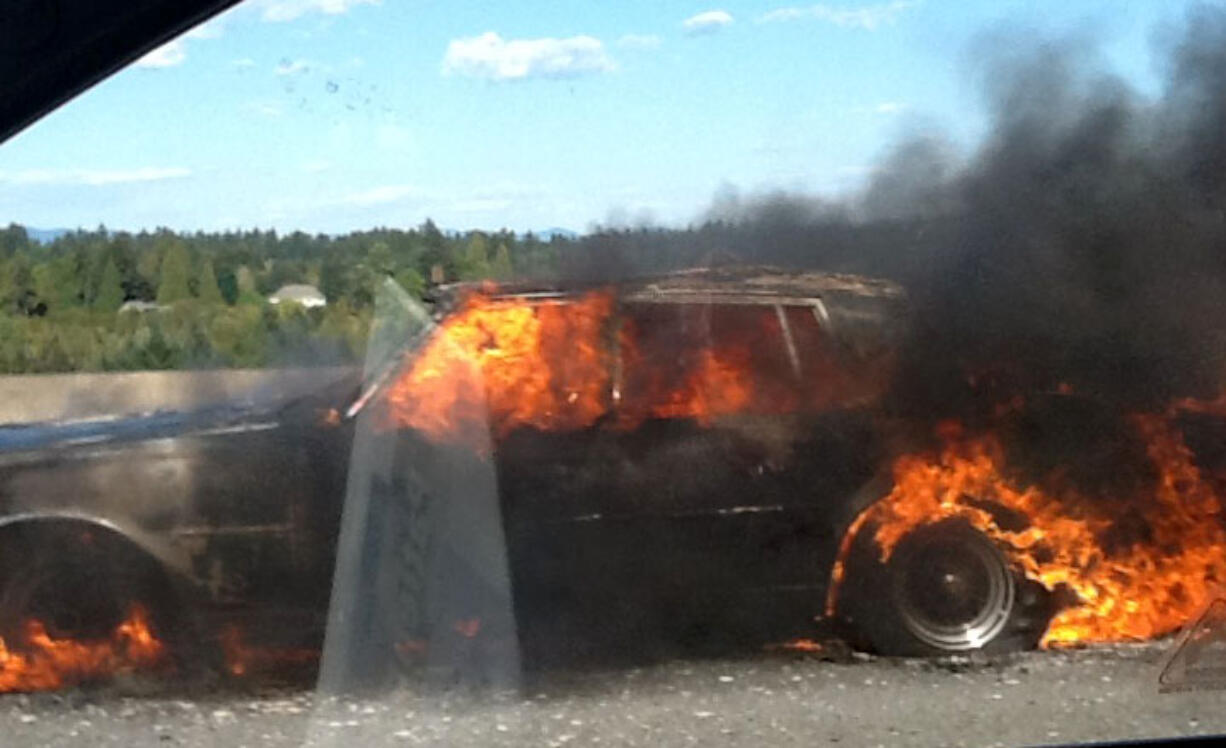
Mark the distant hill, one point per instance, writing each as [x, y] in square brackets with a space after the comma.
[46, 236]
[547, 234]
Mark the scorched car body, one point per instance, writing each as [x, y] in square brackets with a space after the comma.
[710, 530]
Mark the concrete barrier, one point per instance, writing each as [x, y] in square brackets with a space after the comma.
[47, 397]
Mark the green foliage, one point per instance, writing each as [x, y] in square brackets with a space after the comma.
[379, 259]
[335, 277]
[110, 289]
[245, 283]
[149, 267]
[207, 289]
[411, 281]
[59, 302]
[172, 284]
[347, 326]
[60, 282]
[500, 268]
[238, 336]
[474, 263]
[17, 294]
[12, 239]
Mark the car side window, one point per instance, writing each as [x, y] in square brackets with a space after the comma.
[705, 361]
[833, 370]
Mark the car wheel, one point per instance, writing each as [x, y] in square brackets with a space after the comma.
[946, 589]
[72, 597]
[82, 584]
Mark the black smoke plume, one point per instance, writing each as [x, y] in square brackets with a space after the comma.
[1082, 243]
[1086, 237]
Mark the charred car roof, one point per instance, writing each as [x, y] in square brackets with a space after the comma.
[862, 306]
[730, 284]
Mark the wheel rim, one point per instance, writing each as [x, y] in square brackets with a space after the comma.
[952, 587]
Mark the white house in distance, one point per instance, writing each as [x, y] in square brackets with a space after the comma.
[136, 305]
[299, 293]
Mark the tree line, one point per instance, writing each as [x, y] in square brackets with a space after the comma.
[203, 297]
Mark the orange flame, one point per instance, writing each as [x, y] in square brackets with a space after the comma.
[484, 370]
[242, 659]
[1146, 589]
[799, 644]
[42, 663]
[564, 364]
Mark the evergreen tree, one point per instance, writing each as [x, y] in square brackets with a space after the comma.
[433, 238]
[500, 268]
[227, 283]
[173, 285]
[13, 239]
[380, 259]
[148, 268]
[411, 281]
[247, 293]
[434, 243]
[17, 295]
[207, 289]
[60, 282]
[110, 289]
[474, 264]
[335, 277]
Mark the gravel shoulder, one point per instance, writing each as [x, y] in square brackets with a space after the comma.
[774, 699]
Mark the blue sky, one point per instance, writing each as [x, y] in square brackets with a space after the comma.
[331, 115]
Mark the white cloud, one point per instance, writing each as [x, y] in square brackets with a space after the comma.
[209, 30]
[166, 56]
[882, 108]
[290, 67]
[93, 177]
[639, 41]
[707, 22]
[278, 11]
[388, 193]
[890, 107]
[494, 58]
[174, 52]
[867, 17]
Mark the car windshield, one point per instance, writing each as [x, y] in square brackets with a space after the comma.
[390, 373]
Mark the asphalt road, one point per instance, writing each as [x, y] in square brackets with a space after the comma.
[774, 699]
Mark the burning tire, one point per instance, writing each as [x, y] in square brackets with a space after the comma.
[946, 589]
[81, 584]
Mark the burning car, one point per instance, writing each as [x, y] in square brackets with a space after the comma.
[719, 454]
[686, 460]
[705, 457]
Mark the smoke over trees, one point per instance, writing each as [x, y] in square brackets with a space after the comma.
[1082, 242]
